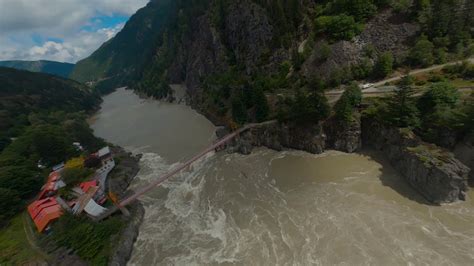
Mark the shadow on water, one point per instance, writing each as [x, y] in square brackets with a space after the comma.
[391, 178]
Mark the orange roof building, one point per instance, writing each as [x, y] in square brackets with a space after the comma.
[85, 186]
[43, 212]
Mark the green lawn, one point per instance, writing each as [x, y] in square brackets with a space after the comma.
[17, 243]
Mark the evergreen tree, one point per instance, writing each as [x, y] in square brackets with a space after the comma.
[239, 112]
[261, 106]
[384, 65]
[422, 53]
[402, 108]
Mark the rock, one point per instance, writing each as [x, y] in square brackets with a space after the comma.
[386, 32]
[123, 250]
[433, 171]
[464, 151]
[277, 136]
[342, 136]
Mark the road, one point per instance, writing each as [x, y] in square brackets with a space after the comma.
[380, 88]
[419, 71]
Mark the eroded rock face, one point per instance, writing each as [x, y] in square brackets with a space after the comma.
[464, 151]
[313, 138]
[386, 32]
[434, 172]
[278, 136]
[342, 136]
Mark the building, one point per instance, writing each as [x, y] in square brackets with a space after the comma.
[52, 185]
[104, 154]
[43, 212]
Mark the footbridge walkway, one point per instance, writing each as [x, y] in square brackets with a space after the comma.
[141, 191]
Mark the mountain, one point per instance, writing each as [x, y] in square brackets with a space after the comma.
[41, 116]
[122, 58]
[23, 93]
[43, 66]
[236, 55]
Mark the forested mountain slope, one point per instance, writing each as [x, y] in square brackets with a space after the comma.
[40, 118]
[231, 53]
[122, 58]
[43, 66]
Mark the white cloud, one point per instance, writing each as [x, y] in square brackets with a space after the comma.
[79, 46]
[57, 19]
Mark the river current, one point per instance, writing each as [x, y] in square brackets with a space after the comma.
[274, 208]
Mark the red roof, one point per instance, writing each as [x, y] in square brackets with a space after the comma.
[36, 207]
[46, 216]
[44, 211]
[85, 186]
[47, 188]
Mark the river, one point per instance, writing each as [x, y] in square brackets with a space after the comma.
[274, 208]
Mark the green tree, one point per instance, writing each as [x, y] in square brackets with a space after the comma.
[402, 110]
[309, 108]
[384, 65]
[10, 204]
[74, 176]
[20, 178]
[439, 94]
[351, 98]
[422, 53]
[340, 27]
[239, 112]
[343, 110]
[261, 106]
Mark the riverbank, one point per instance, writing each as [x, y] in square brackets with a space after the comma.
[119, 181]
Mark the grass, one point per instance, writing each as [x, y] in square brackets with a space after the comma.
[17, 245]
[462, 83]
[430, 154]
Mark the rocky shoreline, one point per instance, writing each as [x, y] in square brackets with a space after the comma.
[431, 170]
[120, 179]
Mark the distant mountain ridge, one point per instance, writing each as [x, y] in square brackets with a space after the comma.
[43, 66]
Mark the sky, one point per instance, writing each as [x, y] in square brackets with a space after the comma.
[60, 30]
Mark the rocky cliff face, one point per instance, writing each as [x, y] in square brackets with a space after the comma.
[278, 136]
[344, 136]
[386, 32]
[312, 138]
[464, 151]
[434, 172]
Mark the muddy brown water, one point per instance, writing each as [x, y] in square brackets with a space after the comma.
[275, 208]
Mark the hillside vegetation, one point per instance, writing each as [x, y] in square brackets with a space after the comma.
[40, 117]
[246, 60]
[43, 66]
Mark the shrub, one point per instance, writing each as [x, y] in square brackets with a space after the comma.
[384, 65]
[340, 27]
[73, 176]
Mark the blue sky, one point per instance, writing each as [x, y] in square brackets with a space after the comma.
[60, 30]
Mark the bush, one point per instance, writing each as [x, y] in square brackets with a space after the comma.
[439, 94]
[402, 110]
[239, 112]
[344, 107]
[384, 65]
[309, 108]
[90, 241]
[73, 176]
[10, 204]
[340, 27]
[422, 53]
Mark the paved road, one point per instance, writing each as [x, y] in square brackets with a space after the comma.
[419, 71]
[380, 88]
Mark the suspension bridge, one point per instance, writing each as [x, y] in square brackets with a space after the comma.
[120, 205]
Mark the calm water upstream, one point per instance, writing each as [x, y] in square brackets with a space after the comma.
[275, 208]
